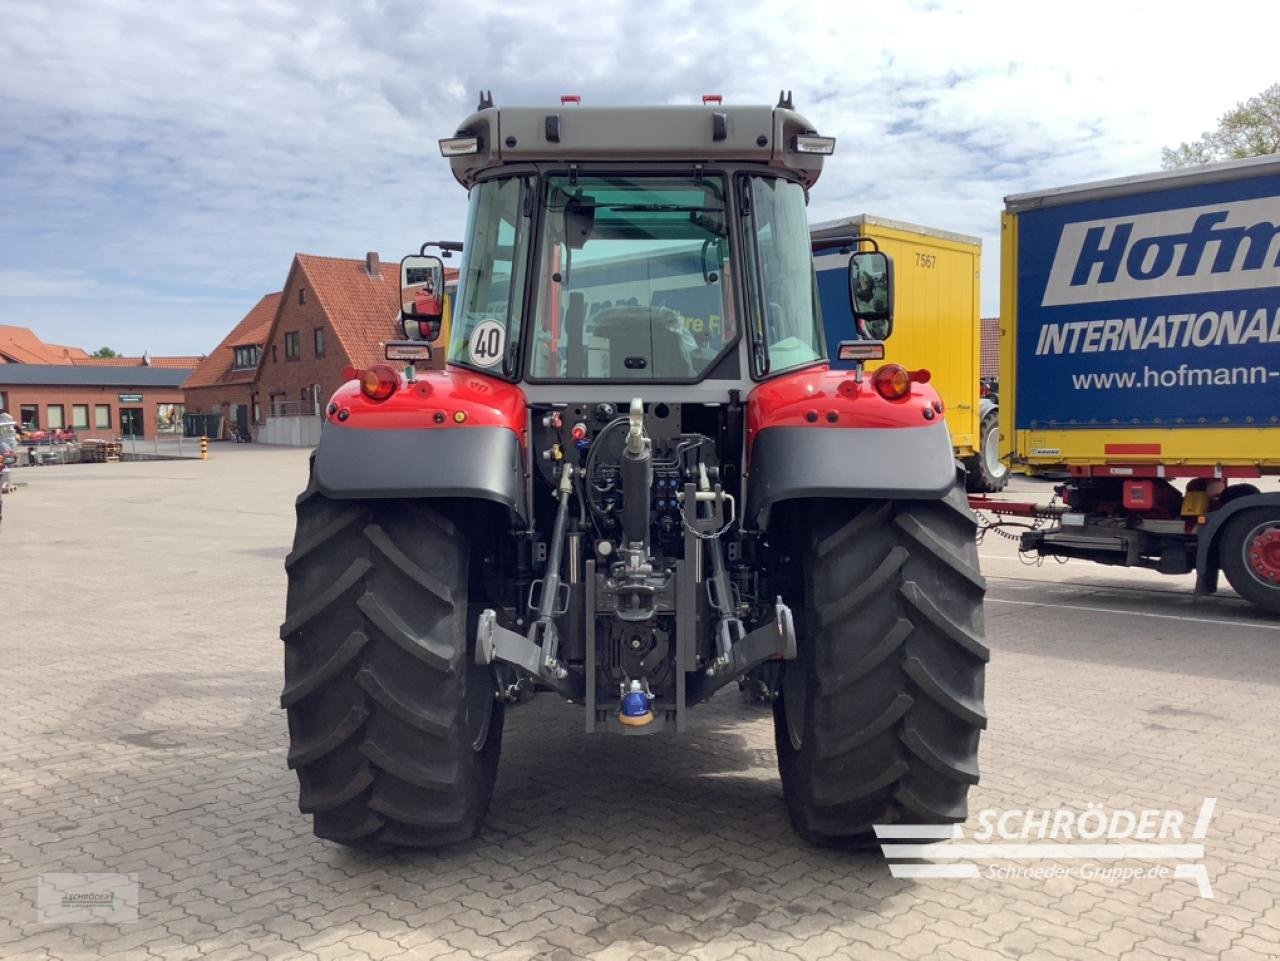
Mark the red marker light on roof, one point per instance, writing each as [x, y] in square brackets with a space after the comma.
[379, 382]
[570, 98]
[712, 98]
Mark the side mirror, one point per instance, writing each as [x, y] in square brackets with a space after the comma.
[421, 296]
[871, 293]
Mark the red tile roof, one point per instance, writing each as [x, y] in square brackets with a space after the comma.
[361, 309]
[254, 328]
[19, 345]
[187, 362]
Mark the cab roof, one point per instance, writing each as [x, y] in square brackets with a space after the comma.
[709, 133]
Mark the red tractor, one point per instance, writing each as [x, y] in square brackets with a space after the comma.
[636, 481]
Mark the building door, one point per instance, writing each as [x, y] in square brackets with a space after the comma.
[242, 421]
[131, 422]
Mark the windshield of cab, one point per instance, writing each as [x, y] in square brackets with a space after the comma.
[634, 279]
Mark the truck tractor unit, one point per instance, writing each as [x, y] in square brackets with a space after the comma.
[937, 277]
[636, 481]
[1140, 357]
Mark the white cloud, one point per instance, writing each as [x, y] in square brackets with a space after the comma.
[186, 151]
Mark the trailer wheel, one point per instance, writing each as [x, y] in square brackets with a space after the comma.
[880, 714]
[987, 472]
[1249, 552]
[393, 728]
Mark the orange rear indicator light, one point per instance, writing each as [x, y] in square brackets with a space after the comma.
[379, 382]
[892, 381]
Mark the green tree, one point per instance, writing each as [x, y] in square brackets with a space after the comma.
[104, 352]
[1249, 129]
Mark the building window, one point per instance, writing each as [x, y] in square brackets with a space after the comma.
[246, 357]
[29, 417]
[257, 410]
[315, 399]
[302, 295]
[274, 358]
[80, 416]
[57, 417]
[102, 416]
[292, 345]
[169, 418]
[318, 339]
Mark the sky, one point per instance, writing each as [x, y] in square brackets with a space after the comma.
[160, 163]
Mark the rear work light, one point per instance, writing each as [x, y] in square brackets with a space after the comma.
[459, 146]
[892, 382]
[809, 143]
[860, 350]
[411, 350]
[378, 382]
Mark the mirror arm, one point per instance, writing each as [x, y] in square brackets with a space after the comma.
[447, 248]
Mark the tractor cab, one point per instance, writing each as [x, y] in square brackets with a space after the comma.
[636, 245]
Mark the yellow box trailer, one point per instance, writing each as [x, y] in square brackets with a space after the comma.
[937, 323]
[1140, 345]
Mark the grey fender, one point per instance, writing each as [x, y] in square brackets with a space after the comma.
[1207, 538]
[790, 463]
[479, 462]
[985, 406]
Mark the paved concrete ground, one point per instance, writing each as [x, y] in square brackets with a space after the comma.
[141, 733]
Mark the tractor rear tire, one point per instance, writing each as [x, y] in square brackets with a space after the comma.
[987, 474]
[1249, 551]
[393, 728]
[879, 715]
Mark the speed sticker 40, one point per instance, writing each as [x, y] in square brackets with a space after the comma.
[486, 343]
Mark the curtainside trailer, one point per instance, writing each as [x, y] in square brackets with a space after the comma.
[938, 327]
[1140, 357]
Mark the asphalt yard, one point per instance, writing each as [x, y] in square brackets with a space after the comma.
[143, 737]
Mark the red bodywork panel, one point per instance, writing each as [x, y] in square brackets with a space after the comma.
[432, 401]
[792, 400]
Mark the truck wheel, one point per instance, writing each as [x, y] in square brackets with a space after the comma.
[393, 728]
[1249, 552]
[880, 713]
[987, 472]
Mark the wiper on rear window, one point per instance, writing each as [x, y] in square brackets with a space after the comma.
[677, 208]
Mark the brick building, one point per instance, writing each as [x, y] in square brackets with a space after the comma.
[334, 312]
[49, 386]
[274, 373]
[226, 381]
[94, 400]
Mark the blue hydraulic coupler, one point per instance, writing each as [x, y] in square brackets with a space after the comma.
[635, 707]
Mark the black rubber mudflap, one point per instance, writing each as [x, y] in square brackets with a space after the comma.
[889, 677]
[393, 731]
